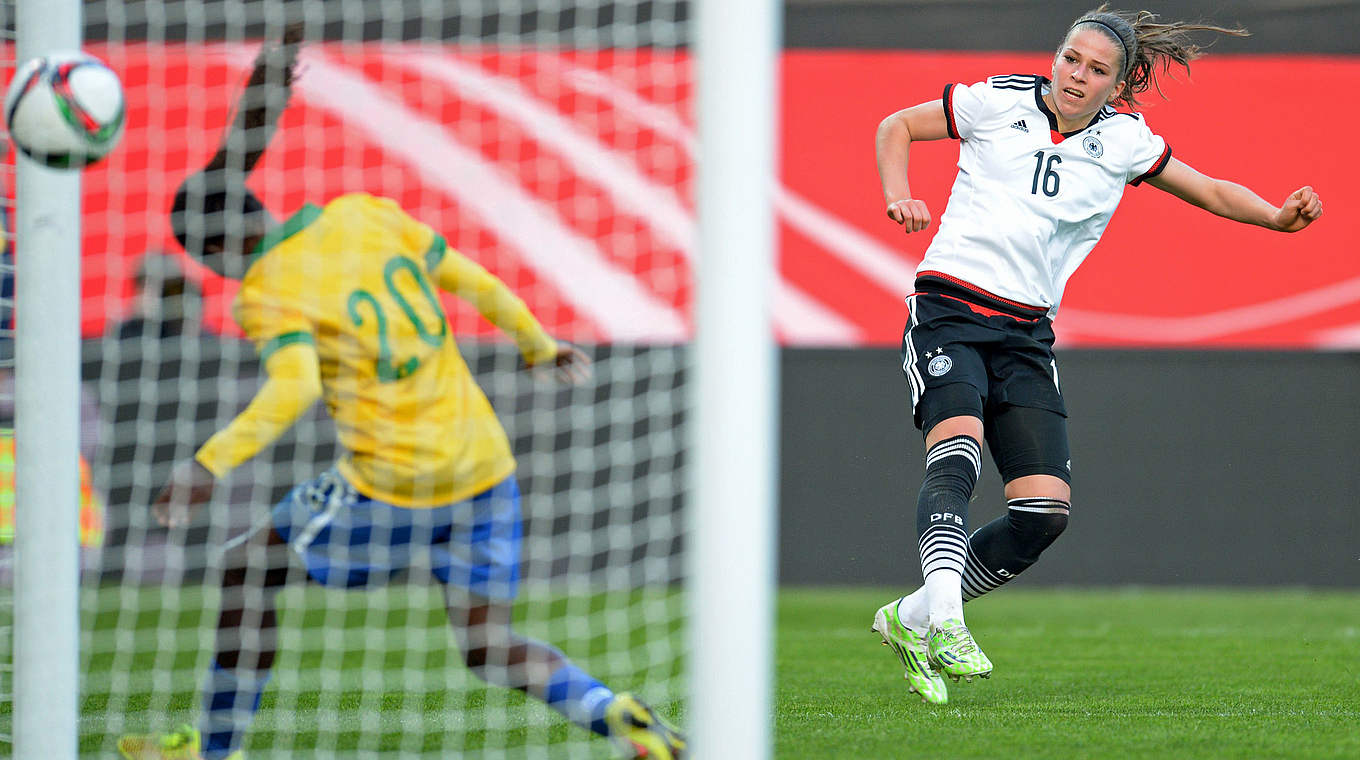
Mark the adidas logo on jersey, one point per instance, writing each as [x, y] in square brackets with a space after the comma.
[1021, 125]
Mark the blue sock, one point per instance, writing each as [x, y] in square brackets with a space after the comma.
[579, 697]
[230, 699]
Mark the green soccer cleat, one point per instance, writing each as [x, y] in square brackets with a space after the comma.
[912, 650]
[181, 744]
[639, 732]
[954, 653]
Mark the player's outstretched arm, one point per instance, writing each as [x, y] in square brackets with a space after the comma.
[1233, 201]
[293, 385]
[470, 281]
[266, 95]
[892, 146]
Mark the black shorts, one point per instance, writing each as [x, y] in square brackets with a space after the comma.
[967, 352]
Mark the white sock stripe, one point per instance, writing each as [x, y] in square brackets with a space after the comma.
[963, 446]
[957, 440]
[946, 527]
[981, 569]
[949, 533]
[941, 563]
[930, 555]
[960, 441]
[973, 577]
[956, 556]
[981, 575]
[1042, 506]
[943, 549]
[971, 585]
[939, 536]
[944, 450]
[976, 586]
[1037, 502]
[945, 542]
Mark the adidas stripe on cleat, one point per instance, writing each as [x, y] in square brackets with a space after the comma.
[954, 653]
[912, 650]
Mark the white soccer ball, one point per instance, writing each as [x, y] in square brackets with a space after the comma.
[65, 110]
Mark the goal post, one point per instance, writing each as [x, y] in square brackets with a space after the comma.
[46, 409]
[732, 566]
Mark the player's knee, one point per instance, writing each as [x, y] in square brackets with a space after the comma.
[1036, 524]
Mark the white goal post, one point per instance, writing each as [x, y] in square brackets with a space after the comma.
[732, 567]
[46, 404]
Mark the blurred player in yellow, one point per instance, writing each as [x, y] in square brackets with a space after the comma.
[341, 302]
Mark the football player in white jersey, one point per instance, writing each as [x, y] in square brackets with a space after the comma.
[1043, 163]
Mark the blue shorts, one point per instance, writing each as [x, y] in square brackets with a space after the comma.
[347, 540]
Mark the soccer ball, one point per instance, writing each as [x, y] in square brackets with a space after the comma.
[65, 110]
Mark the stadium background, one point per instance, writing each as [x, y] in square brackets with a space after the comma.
[1211, 369]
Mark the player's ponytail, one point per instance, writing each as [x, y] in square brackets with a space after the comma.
[214, 201]
[1147, 45]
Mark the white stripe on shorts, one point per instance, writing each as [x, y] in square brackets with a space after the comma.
[914, 379]
[335, 501]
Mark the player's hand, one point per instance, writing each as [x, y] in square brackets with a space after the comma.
[911, 213]
[571, 366]
[1301, 209]
[190, 486]
[293, 33]
[293, 36]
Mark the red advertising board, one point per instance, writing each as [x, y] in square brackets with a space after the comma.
[570, 176]
[1165, 273]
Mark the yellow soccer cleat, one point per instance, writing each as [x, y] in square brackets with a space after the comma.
[181, 744]
[639, 732]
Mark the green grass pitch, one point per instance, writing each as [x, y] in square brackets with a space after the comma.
[1083, 674]
[1117, 674]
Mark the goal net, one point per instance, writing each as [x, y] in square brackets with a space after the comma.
[549, 140]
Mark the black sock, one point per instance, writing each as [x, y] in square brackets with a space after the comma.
[1006, 546]
[952, 468]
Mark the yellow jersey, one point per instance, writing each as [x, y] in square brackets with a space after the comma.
[347, 294]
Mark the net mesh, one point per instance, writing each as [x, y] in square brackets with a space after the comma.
[550, 141]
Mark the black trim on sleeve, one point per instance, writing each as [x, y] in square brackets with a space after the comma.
[949, 124]
[1156, 168]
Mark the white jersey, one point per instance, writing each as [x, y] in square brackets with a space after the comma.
[1030, 203]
